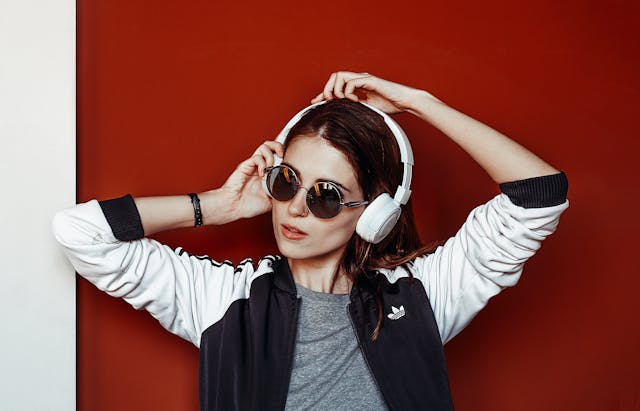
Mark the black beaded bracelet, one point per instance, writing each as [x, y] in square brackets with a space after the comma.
[196, 209]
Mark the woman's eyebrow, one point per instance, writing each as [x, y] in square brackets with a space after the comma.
[318, 179]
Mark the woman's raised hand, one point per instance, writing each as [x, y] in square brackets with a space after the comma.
[243, 188]
[385, 95]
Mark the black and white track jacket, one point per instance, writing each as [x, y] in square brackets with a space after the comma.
[243, 317]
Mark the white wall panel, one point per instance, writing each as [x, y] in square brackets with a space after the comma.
[37, 178]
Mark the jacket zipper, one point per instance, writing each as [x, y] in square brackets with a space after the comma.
[292, 344]
[364, 355]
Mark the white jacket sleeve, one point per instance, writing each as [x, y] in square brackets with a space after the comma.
[184, 292]
[486, 255]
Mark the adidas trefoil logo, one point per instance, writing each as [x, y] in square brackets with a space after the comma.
[397, 312]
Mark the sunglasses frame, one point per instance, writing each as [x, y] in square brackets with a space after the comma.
[298, 186]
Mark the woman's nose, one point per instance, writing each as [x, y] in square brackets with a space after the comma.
[298, 204]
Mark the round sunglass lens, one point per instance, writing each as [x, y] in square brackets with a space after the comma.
[323, 200]
[282, 183]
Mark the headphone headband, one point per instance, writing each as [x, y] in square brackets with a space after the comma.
[403, 192]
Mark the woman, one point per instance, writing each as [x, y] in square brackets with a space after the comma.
[336, 322]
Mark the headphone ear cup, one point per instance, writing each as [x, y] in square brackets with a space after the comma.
[378, 219]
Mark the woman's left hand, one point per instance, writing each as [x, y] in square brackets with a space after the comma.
[385, 95]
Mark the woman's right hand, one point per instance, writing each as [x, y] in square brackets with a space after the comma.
[243, 188]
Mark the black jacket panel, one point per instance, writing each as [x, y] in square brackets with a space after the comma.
[246, 357]
[407, 358]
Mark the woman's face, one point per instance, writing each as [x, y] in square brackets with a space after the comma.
[300, 234]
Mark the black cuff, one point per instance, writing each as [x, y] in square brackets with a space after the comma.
[123, 218]
[541, 191]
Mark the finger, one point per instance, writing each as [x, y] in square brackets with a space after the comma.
[247, 167]
[266, 154]
[339, 84]
[259, 163]
[328, 88]
[276, 147]
[317, 98]
[359, 82]
[342, 77]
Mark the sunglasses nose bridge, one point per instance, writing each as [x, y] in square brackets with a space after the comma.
[298, 204]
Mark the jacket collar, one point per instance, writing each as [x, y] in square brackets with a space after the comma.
[283, 278]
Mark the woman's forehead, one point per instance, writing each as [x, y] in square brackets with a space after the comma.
[315, 159]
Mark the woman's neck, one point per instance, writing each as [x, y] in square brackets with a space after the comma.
[317, 275]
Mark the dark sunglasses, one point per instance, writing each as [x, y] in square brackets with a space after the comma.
[324, 199]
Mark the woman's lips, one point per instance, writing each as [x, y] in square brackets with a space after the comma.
[292, 233]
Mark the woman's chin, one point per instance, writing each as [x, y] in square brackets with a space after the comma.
[294, 251]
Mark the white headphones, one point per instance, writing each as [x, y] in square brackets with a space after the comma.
[382, 214]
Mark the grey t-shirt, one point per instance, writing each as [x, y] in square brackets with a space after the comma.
[329, 370]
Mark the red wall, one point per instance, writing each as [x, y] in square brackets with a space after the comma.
[172, 95]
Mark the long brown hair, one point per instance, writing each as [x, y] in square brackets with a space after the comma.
[365, 139]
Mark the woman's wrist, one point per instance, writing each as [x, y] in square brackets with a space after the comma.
[217, 207]
[420, 102]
